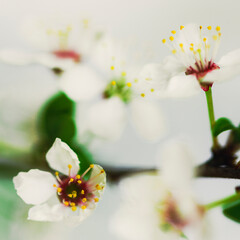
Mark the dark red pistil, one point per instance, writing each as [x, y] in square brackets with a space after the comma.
[68, 54]
[201, 71]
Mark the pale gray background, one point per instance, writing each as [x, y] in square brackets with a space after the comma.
[149, 21]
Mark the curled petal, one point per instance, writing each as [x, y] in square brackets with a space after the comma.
[60, 156]
[34, 186]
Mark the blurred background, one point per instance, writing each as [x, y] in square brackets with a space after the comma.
[24, 89]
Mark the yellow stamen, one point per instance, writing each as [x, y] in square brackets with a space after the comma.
[72, 204]
[113, 83]
[129, 84]
[124, 74]
[74, 194]
[181, 45]
[74, 208]
[192, 44]
[209, 27]
[204, 39]
[171, 38]
[66, 203]
[112, 67]
[219, 34]
[70, 195]
[82, 192]
[79, 181]
[98, 187]
[200, 27]
[152, 90]
[174, 51]
[173, 32]
[78, 176]
[71, 180]
[215, 37]
[191, 49]
[135, 80]
[69, 171]
[218, 28]
[142, 95]
[83, 207]
[57, 177]
[54, 185]
[59, 190]
[164, 41]
[181, 27]
[96, 199]
[84, 199]
[90, 167]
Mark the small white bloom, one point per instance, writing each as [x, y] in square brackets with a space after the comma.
[68, 196]
[107, 117]
[193, 65]
[161, 206]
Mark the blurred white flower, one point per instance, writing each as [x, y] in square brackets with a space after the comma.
[161, 206]
[68, 197]
[119, 93]
[193, 65]
[61, 42]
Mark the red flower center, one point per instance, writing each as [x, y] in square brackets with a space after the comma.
[68, 54]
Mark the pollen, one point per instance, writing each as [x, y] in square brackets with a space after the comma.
[84, 199]
[218, 28]
[59, 190]
[181, 27]
[171, 38]
[54, 185]
[209, 27]
[129, 84]
[66, 203]
[83, 207]
[78, 176]
[71, 180]
[82, 192]
[142, 95]
[112, 67]
[79, 181]
[164, 40]
[96, 199]
[200, 27]
[173, 32]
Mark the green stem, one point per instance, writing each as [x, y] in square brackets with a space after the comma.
[222, 201]
[211, 115]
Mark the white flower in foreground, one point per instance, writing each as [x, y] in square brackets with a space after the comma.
[193, 64]
[67, 197]
[161, 206]
[107, 117]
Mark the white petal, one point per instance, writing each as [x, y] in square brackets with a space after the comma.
[46, 212]
[15, 57]
[60, 156]
[51, 61]
[81, 83]
[101, 179]
[34, 186]
[177, 164]
[183, 86]
[229, 68]
[147, 119]
[107, 118]
[154, 76]
[173, 65]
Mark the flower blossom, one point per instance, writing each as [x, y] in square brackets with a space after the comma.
[67, 196]
[193, 64]
[106, 117]
[161, 206]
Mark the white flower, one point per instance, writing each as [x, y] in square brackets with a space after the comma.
[60, 42]
[107, 117]
[161, 206]
[68, 196]
[193, 64]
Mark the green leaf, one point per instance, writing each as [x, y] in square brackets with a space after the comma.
[56, 119]
[222, 125]
[232, 211]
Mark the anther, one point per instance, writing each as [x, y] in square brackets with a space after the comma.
[74, 208]
[96, 199]
[83, 207]
[171, 38]
[112, 67]
[82, 192]
[174, 51]
[209, 27]
[173, 32]
[113, 83]
[69, 167]
[124, 74]
[164, 40]
[98, 187]
[218, 28]
[78, 176]
[152, 89]
[79, 181]
[142, 95]
[84, 200]
[181, 27]
[59, 190]
[129, 84]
